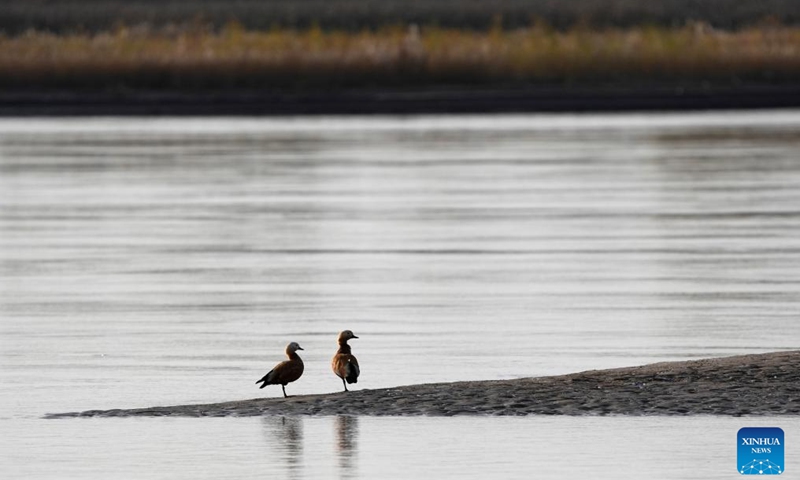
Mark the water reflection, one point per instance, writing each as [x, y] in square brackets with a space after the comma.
[347, 445]
[287, 445]
[287, 434]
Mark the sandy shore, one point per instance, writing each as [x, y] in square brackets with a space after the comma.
[400, 102]
[766, 384]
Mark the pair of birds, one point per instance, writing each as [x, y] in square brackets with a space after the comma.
[344, 365]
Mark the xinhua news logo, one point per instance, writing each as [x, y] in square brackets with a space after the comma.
[760, 451]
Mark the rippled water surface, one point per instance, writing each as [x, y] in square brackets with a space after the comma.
[169, 261]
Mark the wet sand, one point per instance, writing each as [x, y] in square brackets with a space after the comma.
[765, 384]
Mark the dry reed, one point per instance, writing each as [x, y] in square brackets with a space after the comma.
[395, 57]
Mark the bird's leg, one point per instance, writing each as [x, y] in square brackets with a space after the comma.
[283, 387]
[345, 385]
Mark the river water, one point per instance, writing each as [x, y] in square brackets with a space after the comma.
[168, 261]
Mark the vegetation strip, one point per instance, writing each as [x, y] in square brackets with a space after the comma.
[317, 60]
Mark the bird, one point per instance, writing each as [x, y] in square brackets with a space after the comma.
[285, 372]
[344, 364]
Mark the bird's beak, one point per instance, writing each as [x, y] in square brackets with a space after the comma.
[300, 348]
[353, 336]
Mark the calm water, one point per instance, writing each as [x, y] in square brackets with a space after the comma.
[168, 261]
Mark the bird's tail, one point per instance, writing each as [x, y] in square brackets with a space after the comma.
[264, 379]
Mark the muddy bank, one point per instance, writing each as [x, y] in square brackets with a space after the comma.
[766, 384]
[399, 102]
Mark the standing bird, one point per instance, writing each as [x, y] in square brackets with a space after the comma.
[344, 364]
[287, 371]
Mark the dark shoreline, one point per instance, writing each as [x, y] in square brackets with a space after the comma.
[399, 102]
[763, 384]
[356, 15]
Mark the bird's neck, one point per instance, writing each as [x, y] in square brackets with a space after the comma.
[344, 347]
[293, 356]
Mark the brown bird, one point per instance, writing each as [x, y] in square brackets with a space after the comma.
[287, 371]
[344, 364]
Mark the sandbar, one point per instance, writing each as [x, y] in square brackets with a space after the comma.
[761, 384]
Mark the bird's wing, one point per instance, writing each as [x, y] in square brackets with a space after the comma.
[266, 378]
[352, 369]
[287, 371]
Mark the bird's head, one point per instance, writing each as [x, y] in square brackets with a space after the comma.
[346, 335]
[293, 347]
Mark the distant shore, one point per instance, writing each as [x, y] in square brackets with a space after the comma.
[764, 384]
[398, 70]
[399, 102]
[357, 15]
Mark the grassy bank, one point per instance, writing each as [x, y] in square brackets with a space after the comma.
[313, 59]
